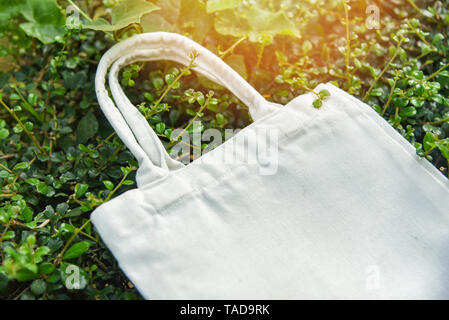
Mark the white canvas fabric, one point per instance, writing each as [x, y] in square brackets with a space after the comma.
[350, 212]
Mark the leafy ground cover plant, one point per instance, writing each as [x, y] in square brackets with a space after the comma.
[60, 159]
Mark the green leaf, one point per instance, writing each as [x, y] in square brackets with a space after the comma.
[324, 94]
[43, 12]
[108, 184]
[45, 20]
[38, 287]
[87, 127]
[443, 146]
[165, 19]
[123, 14]
[27, 273]
[46, 33]
[408, 112]
[42, 188]
[80, 189]
[99, 24]
[198, 22]
[76, 250]
[42, 251]
[378, 92]
[218, 5]
[128, 182]
[9, 235]
[4, 133]
[261, 25]
[160, 127]
[429, 141]
[21, 166]
[317, 103]
[46, 268]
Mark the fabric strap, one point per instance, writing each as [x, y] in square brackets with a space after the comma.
[130, 125]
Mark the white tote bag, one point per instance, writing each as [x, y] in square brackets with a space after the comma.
[342, 208]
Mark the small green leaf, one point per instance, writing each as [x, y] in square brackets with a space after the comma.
[4, 133]
[160, 127]
[32, 181]
[87, 127]
[378, 92]
[443, 146]
[108, 184]
[42, 251]
[9, 235]
[80, 189]
[21, 166]
[317, 103]
[46, 268]
[324, 94]
[76, 250]
[42, 188]
[429, 141]
[38, 287]
[128, 182]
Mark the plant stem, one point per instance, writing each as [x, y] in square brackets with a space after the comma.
[191, 122]
[117, 187]
[32, 137]
[6, 168]
[433, 75]
[231, 48]
[170, 86]
[383, 71]
[434, 123]
[413, 4]
[77, 230]
[27, 105]
[390, 96]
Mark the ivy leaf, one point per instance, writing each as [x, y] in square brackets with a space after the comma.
[228, 23]
[43, 12]
[46, 33]
[165, 19]
[9, 9]
[45, 20]
[199, 22]
[77, 250]
[87, 127]
[218, 5]
[99, 24]
[261, 25]
[125, 13]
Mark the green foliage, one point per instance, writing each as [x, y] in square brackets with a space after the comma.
[60, 159]
[123, 14]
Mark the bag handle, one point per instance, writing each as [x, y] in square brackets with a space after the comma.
[148, 149]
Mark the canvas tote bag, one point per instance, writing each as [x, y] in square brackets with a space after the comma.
[344, 210]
